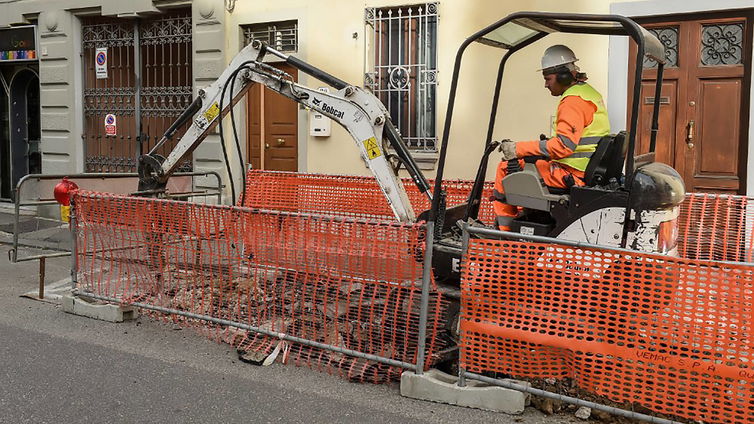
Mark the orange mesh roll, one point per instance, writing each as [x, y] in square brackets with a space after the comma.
[353, 284]
[345, 195]
[312, 193]
[672, 335]
[710, 226]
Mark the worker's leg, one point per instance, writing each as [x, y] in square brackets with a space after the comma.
[504, 212]
[555, 175]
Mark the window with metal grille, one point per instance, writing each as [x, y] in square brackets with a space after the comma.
[401, 69]
[282, 36]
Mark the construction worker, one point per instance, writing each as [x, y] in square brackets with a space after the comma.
[580, 122]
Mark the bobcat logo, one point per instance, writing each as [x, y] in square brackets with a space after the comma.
[316, 101]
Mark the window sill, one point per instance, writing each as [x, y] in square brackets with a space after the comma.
[426, 160]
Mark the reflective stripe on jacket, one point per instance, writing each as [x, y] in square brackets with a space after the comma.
[586, 145]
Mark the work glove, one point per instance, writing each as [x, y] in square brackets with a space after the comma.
[508, 148]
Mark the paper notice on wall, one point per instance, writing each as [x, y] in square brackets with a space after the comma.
[100, 62]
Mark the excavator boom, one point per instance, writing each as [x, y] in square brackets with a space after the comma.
[358, 111]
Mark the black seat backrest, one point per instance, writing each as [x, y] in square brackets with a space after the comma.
[607, 161]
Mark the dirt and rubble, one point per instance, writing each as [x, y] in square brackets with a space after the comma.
[567, 387]
[373, 317]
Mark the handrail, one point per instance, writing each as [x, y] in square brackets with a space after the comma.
[18, 202]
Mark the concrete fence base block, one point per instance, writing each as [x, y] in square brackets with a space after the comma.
[437, 386]
[98, 310]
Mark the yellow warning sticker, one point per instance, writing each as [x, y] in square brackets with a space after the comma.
[212, 112]
[373, 149]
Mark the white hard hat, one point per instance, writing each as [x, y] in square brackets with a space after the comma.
[557, 55]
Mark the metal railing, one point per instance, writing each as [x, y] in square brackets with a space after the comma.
[180, 186]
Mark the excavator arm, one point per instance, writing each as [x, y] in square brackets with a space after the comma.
[358, 111]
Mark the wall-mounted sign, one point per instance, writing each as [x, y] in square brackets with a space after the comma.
[18, 44]
[100, 62]
[111, 125]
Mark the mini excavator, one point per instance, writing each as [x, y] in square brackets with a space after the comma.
[629, 200]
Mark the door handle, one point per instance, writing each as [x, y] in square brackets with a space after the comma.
[280, 141]
[690, 130]
[266, 145]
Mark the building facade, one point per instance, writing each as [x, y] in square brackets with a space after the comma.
[106, 78]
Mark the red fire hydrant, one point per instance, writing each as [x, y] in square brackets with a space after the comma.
[62, 192]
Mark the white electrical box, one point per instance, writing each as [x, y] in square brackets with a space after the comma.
[319, 124]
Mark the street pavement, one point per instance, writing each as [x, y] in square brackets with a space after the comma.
[61, 368]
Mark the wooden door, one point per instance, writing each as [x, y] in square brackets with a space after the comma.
[254, 132]
[704, 109]
[272, 140]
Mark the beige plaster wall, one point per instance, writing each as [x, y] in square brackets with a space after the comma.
[326, 29]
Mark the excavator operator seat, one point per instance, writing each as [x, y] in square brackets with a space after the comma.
[607, 161]
[527, 189]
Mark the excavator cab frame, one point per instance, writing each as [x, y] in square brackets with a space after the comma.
[518, 31]
[625, 206]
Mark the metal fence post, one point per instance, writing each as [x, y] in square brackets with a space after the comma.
[42, 277]
[424, 302]
[74, 246]
[464, 251]
[17, 206]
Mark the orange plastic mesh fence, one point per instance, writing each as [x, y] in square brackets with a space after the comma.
[672, 335]
[349, 283]
[710, 226]
[717, 227]
[345, 195]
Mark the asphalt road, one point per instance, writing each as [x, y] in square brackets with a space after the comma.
[60, 368]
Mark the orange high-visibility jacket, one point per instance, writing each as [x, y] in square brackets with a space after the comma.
[574, 114]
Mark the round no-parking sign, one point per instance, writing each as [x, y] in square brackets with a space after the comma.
[100, 62]
[111, 125]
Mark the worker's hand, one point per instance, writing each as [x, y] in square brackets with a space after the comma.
[508, 148]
